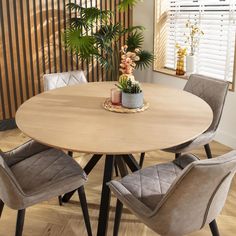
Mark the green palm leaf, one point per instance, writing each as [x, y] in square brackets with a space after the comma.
[76, 22]
[126, 4]
[83, 45]
[146, 59]
[106, 36]
[135, 40]
[132, 29]
[108, 32]
[74, 6]
[92, 14]
[104, 62]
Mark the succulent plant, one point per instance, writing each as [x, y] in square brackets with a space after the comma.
[129, 86]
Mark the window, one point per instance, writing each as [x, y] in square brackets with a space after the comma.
[215, 55]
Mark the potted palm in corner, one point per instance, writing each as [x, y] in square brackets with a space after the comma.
[92, 33]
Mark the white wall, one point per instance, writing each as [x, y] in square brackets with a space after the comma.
[144, 15]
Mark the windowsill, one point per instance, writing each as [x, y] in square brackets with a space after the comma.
[172, 73]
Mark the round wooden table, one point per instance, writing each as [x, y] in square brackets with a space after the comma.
[73, 118]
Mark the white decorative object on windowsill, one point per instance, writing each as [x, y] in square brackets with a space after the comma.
[190, 67]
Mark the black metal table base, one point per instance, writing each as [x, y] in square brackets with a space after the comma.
[122, 161]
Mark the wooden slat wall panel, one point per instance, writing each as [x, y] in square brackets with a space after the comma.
[30, 46]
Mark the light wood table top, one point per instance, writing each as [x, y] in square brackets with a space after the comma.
[72, 118]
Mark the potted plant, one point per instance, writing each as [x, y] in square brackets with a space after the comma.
[92, 33]
[192, 39]
[132, 95]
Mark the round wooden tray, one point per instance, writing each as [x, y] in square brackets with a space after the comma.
[120, 109]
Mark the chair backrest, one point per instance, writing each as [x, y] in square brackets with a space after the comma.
[196, 197]
[11, 192]
[58, 80]
[212, 91]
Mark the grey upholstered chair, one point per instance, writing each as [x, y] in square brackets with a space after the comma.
[33, 173]
[213, 92]
[179, 197]
[58, 80]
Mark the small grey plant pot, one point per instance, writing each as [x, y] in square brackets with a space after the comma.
[132, 100]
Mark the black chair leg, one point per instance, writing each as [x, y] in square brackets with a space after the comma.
[20, 222]
[208, 151]
[84, 206]
[141, 159]
[214, 228]
[60, 200]
[1, 207]
[119, 208]
[116, 168]
[177, 155]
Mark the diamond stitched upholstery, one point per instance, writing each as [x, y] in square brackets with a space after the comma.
[194, 199]
[150, 184]
[45, 169]
[210, 90]
[58, 80]
[34, 172]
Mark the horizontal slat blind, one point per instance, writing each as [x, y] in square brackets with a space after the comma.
[30, 46]
[217, 19]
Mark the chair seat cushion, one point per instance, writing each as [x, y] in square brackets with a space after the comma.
[147, 187]
[150, 184]
[49, 170]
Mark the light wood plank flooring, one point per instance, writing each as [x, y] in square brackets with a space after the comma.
[49, 219]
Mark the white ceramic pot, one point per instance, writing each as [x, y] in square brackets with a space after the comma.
[132, 100]
[190, 67]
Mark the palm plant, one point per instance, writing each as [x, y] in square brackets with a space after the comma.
[125, 4]
[92, 33]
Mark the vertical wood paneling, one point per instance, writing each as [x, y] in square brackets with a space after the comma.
[31, 45]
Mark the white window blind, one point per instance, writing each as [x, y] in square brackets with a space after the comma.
[217, 19]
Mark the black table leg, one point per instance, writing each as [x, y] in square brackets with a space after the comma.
[131, 162]
[105, 197]
[92, 163]
[87, 169]
[141, 160]
[208, 151]
[122, 166]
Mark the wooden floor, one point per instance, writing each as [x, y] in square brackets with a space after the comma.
[49, 219]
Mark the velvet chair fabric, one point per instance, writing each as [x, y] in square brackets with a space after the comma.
[179, 197]
[213, 92]
[58, 80]
[34, 172]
